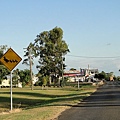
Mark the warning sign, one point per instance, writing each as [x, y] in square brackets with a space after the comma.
[10, 59]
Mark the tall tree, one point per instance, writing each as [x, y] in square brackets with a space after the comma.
[29, 54]
[50, 48]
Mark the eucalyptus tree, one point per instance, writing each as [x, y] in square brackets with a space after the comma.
[29, 55]
[50, 47]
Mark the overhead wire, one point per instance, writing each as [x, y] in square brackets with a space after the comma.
[93, 56]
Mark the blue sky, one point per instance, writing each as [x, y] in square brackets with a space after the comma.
[91, 29]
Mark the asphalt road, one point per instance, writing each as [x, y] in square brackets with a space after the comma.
[104, 104]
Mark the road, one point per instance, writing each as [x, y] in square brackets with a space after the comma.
[104, 104]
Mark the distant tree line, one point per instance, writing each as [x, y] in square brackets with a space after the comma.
[105, 76]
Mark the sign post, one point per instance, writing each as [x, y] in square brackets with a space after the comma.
[10, 59]
[11, 90]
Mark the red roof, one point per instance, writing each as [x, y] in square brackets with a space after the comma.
[71, 74]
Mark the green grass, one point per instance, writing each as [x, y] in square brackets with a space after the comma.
[40, 104]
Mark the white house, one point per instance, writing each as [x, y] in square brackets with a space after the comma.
[35, 79]
[5, 83]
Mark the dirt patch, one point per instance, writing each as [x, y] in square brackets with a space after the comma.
[13, 111]
[54, 116]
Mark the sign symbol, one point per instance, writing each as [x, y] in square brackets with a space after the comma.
[7, 60]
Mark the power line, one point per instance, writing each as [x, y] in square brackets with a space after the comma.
[93, 57]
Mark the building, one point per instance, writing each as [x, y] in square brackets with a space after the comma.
[81, 75]
[73, 75]
[6, 82]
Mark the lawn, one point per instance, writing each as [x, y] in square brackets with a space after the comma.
[40, 104]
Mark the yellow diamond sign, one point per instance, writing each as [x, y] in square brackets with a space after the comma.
[10, 59]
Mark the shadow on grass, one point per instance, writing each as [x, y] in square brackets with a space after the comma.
[39, 101]
[29, 94]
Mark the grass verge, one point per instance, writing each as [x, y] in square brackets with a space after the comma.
[40, 104]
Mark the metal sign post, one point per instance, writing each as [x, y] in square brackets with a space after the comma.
[11, 90]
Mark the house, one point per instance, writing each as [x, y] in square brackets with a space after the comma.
[74, 75]
[89, 74]
[35, 79]
[6, 82]
[81, 75]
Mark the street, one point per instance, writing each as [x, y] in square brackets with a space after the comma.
[104, 104]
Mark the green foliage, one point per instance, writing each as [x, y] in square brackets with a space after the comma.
[115, 78]
[104, 75]
[3, 72]
[15, 77]
[29, 55]
[44, 80]
[64, 82]
[72, 69]
[50, 48]
[3, 48]
[24, 76]
[118, 78]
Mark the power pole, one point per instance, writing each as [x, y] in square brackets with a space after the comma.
[62, 71]
[88, 70]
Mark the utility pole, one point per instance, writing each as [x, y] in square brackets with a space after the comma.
[62, 71]
[88, 70]
[78, 84]
[62, 82]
